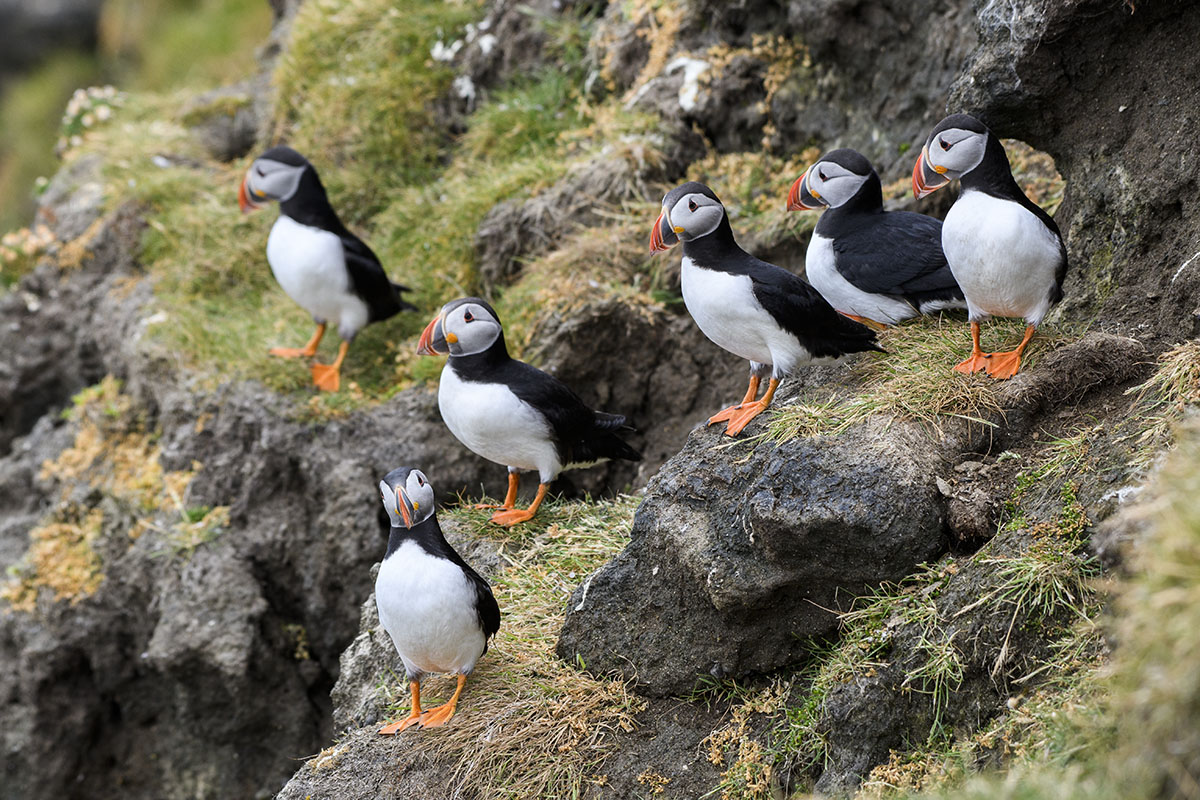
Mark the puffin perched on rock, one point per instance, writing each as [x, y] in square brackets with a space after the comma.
[325, 268]
[509, 412]
[753, 309]
[878, 267]
[1005, 252]
[439, 612]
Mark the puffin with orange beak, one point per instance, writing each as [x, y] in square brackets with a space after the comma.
[1005, 251]
[325, 268]
[753, 309]
[438, 611]
[510, 412]
[878, 267]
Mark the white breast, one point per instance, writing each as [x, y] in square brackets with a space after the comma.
[311, 268]
[427, 606]
[1002, 256]
[496, 424]
[820, 266]
[727, 312]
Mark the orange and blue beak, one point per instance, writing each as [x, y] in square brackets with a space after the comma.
[926, 179]
[663, 237]
[246, 198]
[801, 197]
[433, 340]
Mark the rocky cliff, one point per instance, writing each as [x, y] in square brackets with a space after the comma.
[898, 570]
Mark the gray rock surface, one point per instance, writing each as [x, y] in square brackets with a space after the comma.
[739, 557]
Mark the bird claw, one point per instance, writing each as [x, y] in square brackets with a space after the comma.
[326, 377]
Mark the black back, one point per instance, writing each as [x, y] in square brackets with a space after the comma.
[797, 307]
[993, 176]
[428, 534]
[580, 434]
[309, 205]
[894, 253]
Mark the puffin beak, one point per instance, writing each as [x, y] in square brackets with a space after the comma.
[663, 236]
[245, 201]
[800, 197]
[433, 343]
[926, 180]
[402, 505]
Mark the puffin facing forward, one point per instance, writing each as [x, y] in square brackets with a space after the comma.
[509, 412]
[325, 268]
[1005, 252]
[878, 267]
[753, 309]
[439, 612]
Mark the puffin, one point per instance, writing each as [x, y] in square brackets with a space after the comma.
[439, 612]
[510, 412]
[877, 267]
[326, 269]
[753, 309]
[1005, 251]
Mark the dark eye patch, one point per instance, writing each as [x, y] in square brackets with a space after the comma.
[468, 317]
[692, 205]
[821, 175]
[945, 145]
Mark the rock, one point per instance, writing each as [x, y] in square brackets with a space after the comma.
[728, 545]
[226, 120]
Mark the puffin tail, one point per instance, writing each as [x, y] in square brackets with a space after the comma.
[397, 290]
[606, 441]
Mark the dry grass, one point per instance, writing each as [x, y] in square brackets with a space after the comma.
[915, 380]
[62, 559]
[531, 725]
[1162, 401]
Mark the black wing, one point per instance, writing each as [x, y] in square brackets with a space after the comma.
[370, 281]
[485, 602]
[800, 310]
[581, 434]
[897, 253]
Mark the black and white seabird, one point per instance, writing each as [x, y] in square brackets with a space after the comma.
[439, 612]
[509, 412]
[878, 267]
[1005, 252]
[325, 268]
[753, 309]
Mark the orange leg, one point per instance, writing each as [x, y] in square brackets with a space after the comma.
[512, 516]
[436, 717]
[870, 323]
[413, 717]
[752, 410]
[327, 377]
[978, 359]
[308, 351]
[730, 412]
[510, 499]
[1005, 365]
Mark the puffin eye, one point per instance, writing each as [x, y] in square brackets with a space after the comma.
[945, 145]
[692, 205]
[821, 175]
[261, 172]
[468, 317]
[420, 481]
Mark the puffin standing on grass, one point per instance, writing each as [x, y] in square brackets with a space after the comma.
[877, 267]
[325, 268]
[753, 309]
[1005, 252]
[439, 612]
[509, 412]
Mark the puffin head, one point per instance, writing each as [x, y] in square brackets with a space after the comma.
[463, 327]
[955, 147]
[407, 496]
[689, 212]
[833, 180]
[275, 175]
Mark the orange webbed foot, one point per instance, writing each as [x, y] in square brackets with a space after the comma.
[437, 717]
[727, 414]
[326, 377]
[512, 516]
[1004, 365]
[292, 352]
[974, 363]
[738, 423]
[399, 725]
